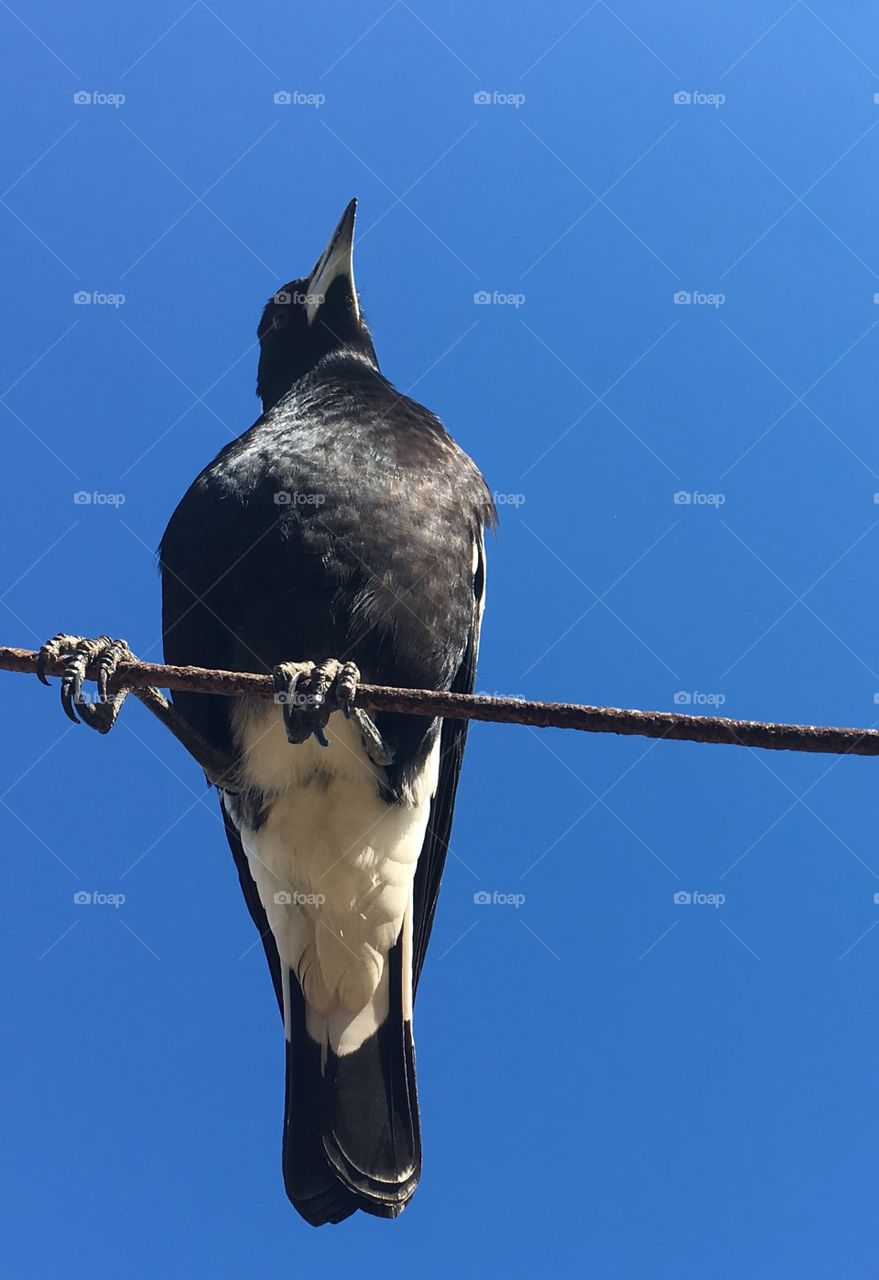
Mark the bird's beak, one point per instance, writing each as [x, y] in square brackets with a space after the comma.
[336, 260]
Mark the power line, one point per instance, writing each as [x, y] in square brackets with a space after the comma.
[461, 706]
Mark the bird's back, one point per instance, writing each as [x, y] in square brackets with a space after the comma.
[343, 523]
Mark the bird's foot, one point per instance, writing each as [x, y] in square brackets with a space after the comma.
[307, 691]
[301, 688]
[99, 711]
[103, 655]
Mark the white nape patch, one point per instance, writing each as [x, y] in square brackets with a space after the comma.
[334, 865]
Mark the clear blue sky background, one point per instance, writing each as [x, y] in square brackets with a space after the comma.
[613, 1084]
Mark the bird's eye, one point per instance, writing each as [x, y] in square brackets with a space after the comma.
[279, 319]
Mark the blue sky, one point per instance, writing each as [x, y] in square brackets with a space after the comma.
[612, 1082]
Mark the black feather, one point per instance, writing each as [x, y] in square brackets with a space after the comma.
[342, 525]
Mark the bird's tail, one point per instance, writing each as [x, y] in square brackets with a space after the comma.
[351, 1131]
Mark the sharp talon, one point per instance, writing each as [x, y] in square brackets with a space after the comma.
[324, 684]
[286, 678]
[71, 681]
[116, 651]
[102, 654]
[54, 649]
[306, 713]
[68, 710]
[346, 688]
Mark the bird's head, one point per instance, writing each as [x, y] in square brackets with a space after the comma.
[309, 318]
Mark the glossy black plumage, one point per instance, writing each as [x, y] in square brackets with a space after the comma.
[344, 524]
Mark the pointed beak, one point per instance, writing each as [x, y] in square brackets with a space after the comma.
[336, 260]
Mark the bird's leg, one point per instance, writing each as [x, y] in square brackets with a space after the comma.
[100, 711]
[303, 689]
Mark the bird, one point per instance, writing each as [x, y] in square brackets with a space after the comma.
[340, 538]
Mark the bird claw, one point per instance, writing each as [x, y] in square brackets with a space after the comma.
[52, 651]
[304, 689]
[103, 655]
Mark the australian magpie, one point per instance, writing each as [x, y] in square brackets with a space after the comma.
[341, 536]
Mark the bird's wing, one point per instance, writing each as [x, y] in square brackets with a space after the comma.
[432, 859]
[255, 906]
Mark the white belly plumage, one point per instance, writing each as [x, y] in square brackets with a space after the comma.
[334, 864]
